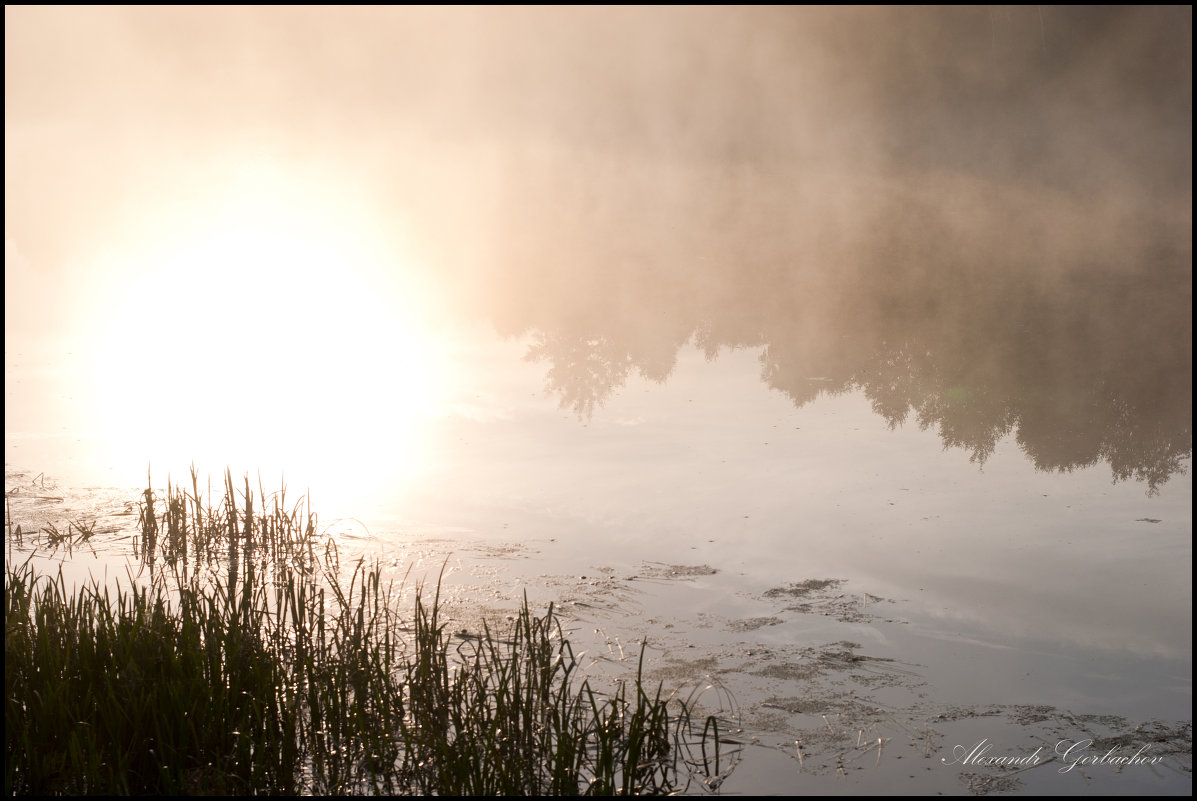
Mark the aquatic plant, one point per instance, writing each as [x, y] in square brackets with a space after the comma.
[282, 675]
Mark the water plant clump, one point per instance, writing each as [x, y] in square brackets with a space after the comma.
[277, 673]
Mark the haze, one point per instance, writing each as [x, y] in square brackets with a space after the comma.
[298, 191]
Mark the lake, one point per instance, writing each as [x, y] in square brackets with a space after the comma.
[858, 387]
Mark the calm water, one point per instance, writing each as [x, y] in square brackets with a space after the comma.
[877, 413]
[1002, 496]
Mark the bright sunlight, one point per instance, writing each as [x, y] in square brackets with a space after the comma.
[279, 331]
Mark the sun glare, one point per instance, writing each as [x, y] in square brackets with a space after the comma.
[269, 328]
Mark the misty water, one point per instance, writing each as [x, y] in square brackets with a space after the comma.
[844, 356]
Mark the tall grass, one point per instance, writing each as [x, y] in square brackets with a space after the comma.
[282, 675]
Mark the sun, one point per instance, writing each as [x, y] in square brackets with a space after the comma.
[272, 325]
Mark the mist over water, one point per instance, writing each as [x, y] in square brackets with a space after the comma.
[725, 117]
[896, 297]
[981, 216]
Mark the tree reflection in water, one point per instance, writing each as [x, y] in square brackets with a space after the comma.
[1006, 257]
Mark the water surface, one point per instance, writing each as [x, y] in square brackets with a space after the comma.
[845, 356]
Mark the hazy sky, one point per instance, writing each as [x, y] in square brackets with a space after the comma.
[424, 115]
[310, 182]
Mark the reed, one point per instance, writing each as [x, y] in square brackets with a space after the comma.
[283, 675]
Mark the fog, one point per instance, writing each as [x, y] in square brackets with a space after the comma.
[1081, 110]
[989, 192]
[664, 314]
